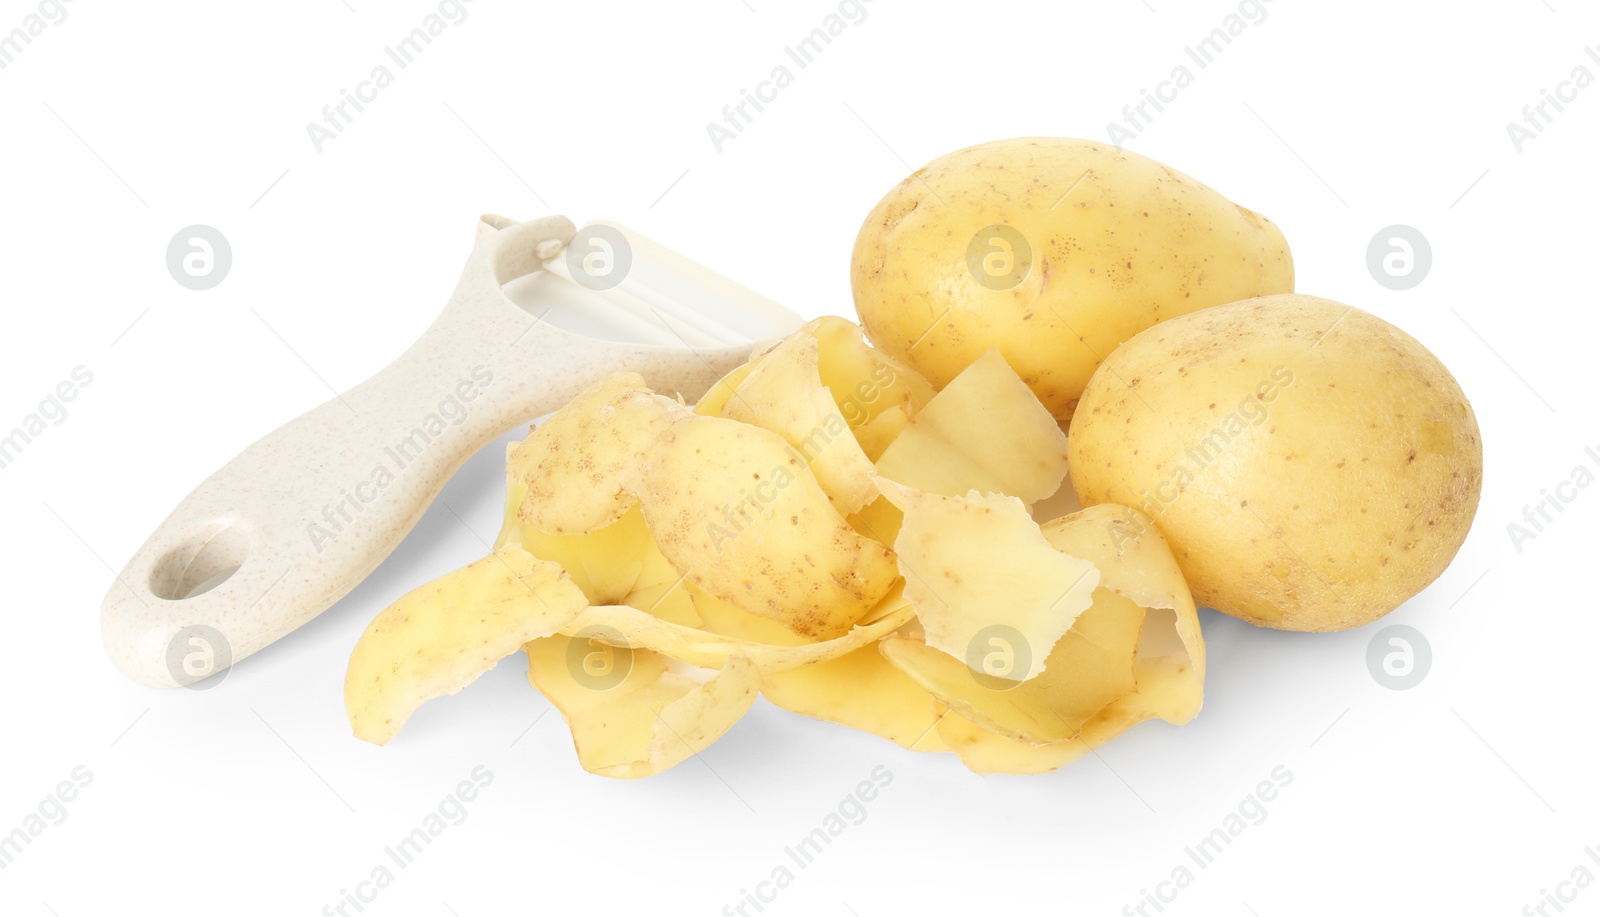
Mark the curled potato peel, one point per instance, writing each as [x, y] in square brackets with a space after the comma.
[629, 626]
[784, 393]
[861, 690]
[440, 637]
[1090, 667]
[734, 509]
[691, 560]
[975, 560]
[984, 431]
[619, 563]
[764, 642]
[640, 715]
[1169, 666]
[577, 464]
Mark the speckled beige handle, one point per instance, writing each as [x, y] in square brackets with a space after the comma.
[294, 522]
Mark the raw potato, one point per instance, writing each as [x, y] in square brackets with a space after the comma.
[985, 431]
[440, 637]
[1312, 466]
[646, 717]
[737, 512]
[1104, 243]
[974, 562]
[577, 464]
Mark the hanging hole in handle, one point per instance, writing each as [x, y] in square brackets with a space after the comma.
[200, 564]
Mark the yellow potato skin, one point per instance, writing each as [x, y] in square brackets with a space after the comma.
[1118, 242]
[441, 636]
[1343, 484]
[737, 510]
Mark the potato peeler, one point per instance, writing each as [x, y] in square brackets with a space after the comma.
[298, 519]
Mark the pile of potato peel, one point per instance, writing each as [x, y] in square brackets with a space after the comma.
[823, 529]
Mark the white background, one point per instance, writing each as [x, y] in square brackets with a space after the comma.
[1468, 794]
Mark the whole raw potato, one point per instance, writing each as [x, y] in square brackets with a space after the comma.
[1054, 251]
[1312, 466]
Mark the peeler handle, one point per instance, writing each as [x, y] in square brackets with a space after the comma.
[299, 518]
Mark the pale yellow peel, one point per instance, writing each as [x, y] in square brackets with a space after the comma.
[863, 691]
[707, 649]
[970, 562]
[576, 464]
[784, 393]
[984, 431]
[877, 434]
[440, 637]
[1090, 668]
[1169, 667]
[716, 398]
[1135, 561]
[619, 564]
[741, 516]
[865, 382]
[643, 720]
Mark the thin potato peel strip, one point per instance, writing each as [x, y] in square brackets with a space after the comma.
[984, 431]
[863, 691]
[617, 564]
[737, 512]
[784, 393]
[576, 465]
[1136, 562]
[440, 637]
[639, 717]
[1169, 667]
[972, 561]
[710, 650]
[1090, 668]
